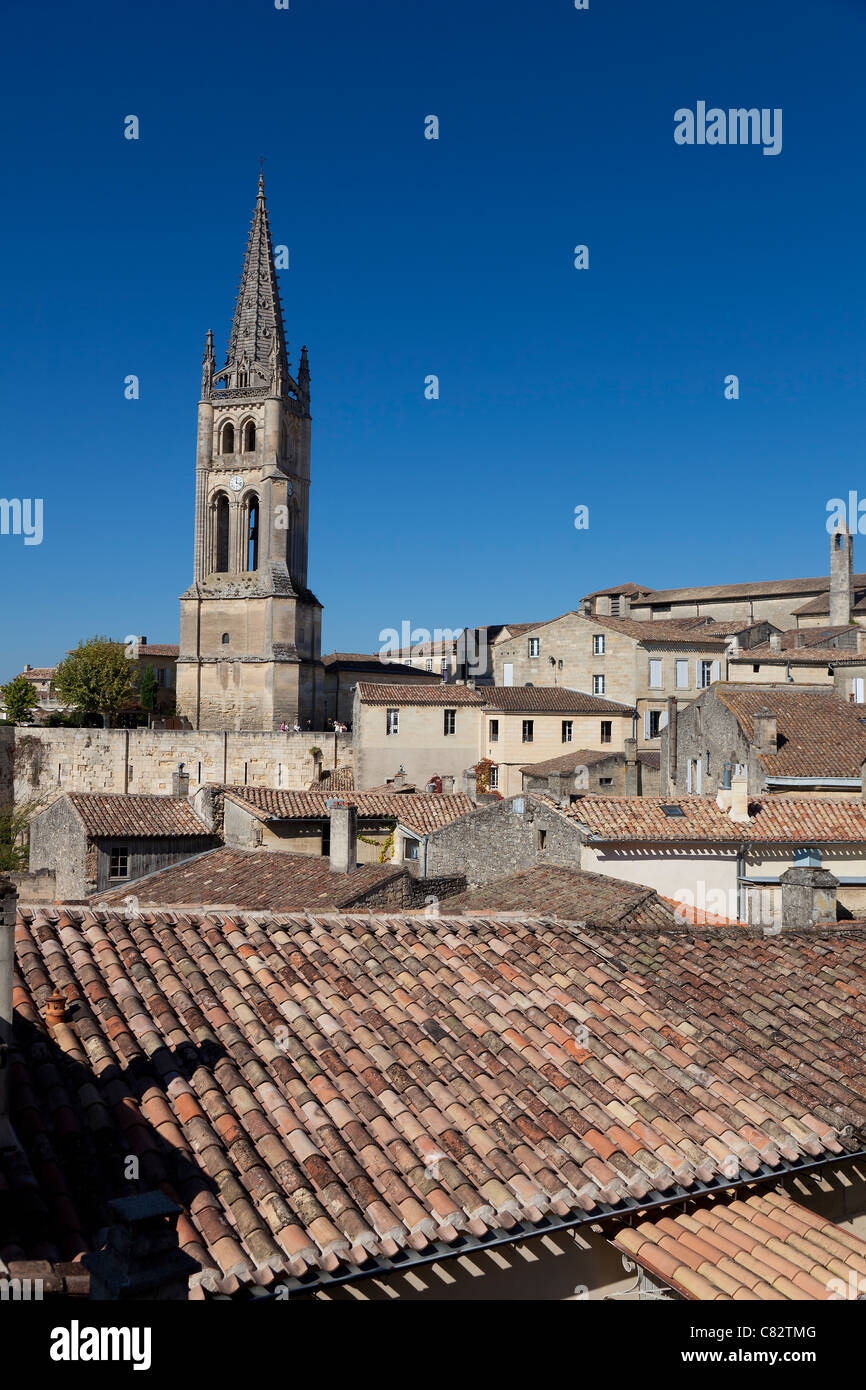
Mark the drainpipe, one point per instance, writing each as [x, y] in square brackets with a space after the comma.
[424, 853]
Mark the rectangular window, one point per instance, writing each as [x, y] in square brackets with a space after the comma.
[392, 721]
[605, 781]
[682, 675]
[494, 779]
[598, 645]
[655, 674]
[508, 673]
[528, 730]
[493, 731]
[535, 646]
[542, 841]
[606, 730]
[118, 864]
[704, 674]
[428, 664]
[450, 721]
[444, 668]
[567, 730]
[598, 685]
[654, 722]
[410, 849]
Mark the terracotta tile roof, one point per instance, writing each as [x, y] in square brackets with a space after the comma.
[567, 762]
[819, 734]
[689, 916]
[39, 673]
[692, 632]
[253, 879]
[555, 699]
[854, 659]
[158, 649]
[569, 895]
[821, 604]
[421, 811]
[419, 694]
[783, 819]
[758, 1247]
[110, 813]
[317, 1091]
[339, 779]
[811, 645]
[762, 588]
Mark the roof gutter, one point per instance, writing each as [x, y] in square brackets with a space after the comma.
[840, 783]
[525, 1230]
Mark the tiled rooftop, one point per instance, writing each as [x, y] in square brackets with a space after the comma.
[571, 895]
[110, 813]
[252, 879]
[762, 1247]
[819, 734]
[556, 699]
[421, 811]
[772, 818]
[317, 1091]
[438, 694]
[586, 757]
[335, 779]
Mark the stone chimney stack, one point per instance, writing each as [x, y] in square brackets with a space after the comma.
[631, 768]
[739, 808]
[344, 838]
[766, 733]
[841, 577]
[8, 902]
[808, 897]
[775, 641]
[180, 781]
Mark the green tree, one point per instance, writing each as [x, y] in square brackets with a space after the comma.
[19, 697]
[13, 823]
[147, 689]
[97, 678]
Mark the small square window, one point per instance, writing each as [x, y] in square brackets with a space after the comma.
[392, 721]
[410, 849]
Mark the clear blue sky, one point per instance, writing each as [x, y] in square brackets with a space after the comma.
[410, 257]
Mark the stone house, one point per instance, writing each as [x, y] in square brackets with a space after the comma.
[784, 603]
[93, 842]
[162, 656]
[391, 826]
[640, 664]
[633, 772]
[343, 670]
[800, 656]
[442, 733]
[791, 739]
[41, 679]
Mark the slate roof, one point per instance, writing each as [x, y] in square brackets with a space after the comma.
[420, 694]
[764, 1246]
[572, 895]
[819, 734]
[553, 699]
[114, 813]
[783, 819]
[319, 1091]
[252, 879]
[421, 811]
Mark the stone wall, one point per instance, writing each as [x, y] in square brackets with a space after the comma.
[510, 835]
[37, 765]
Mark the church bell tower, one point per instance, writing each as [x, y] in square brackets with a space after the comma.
[250, 629]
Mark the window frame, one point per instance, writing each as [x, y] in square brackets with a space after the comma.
[449, 722]
[568, 731]
[528, 731]
[392, 722]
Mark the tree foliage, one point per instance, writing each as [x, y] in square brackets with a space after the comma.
[19, 697]
[13, 823]
[97, 678]
[147, 689]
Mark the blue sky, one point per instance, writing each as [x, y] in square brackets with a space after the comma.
[409, 257]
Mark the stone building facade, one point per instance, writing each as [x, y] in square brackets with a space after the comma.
[250, 628]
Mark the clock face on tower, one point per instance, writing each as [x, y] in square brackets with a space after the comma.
[236, 483]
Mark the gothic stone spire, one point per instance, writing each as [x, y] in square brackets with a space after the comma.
[258, 323]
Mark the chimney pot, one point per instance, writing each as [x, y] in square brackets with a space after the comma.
[55, 1009]
[180, 781]
[344, 837]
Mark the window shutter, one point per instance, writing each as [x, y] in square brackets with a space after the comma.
[717, 670]
[663, 719]
[646, 724]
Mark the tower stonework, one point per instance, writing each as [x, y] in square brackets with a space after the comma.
[250, 629]
[841, 576]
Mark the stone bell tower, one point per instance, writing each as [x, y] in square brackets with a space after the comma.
[250, 629]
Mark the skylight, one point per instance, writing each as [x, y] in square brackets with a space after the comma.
[673, 810]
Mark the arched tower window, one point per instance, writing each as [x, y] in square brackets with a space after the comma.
[225, 639]
[221, 534]
[249, 437]
[253, 534]
[227, 439]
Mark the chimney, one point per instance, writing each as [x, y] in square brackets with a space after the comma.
[557, 785]
[841, 577]
[631, 768]
[344, 837]
[447, 784]
[766, 735]
[399, 779]
[624, 605]
[739, 805]
[800, 639]
[180, 781]
[808, 897]
[775, 641]
[8, 900]
[28, 667]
